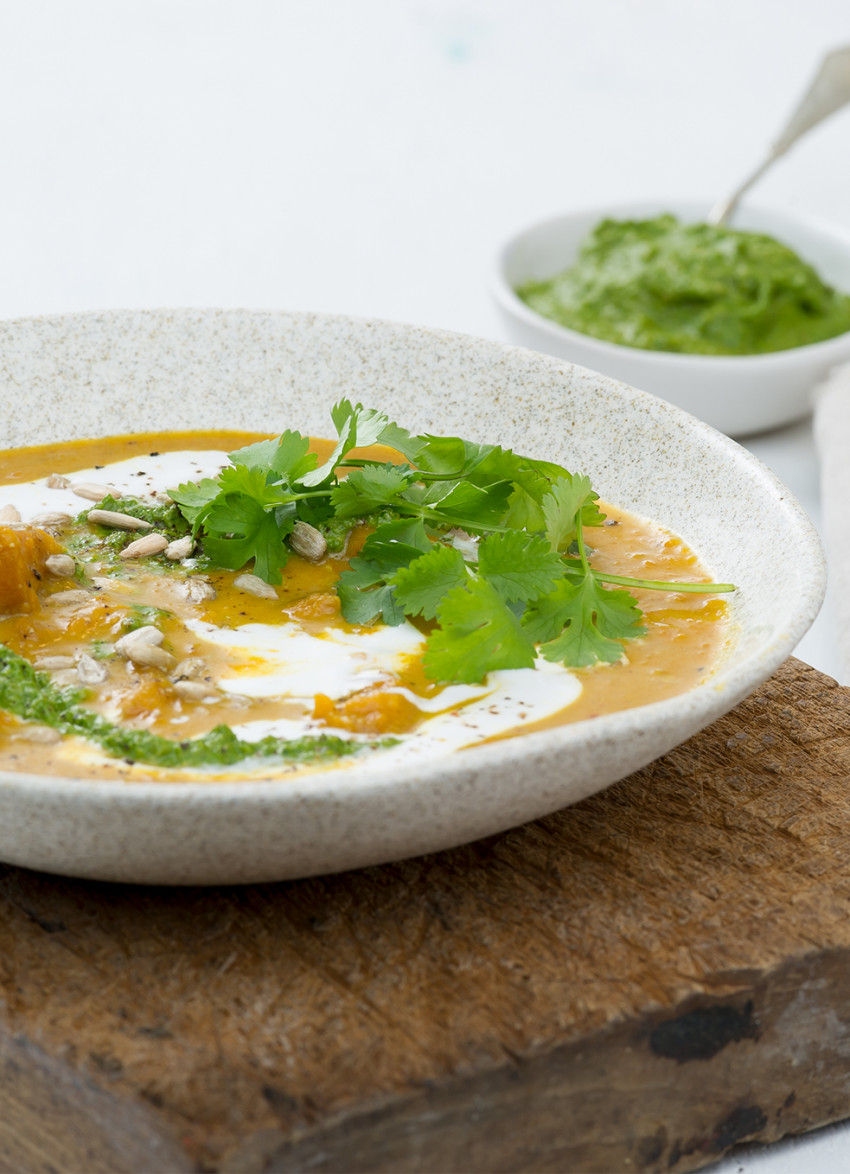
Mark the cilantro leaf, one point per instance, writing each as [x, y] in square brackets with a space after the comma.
[364, 595]
[363, 590]
[442, 454]
[582, 623]
[570, 501]
[401, 440]
[397, 543]
[287, 455]
[369, 489]
[356, 426]
[365, 606]
[325, 472]
[461, 503]
[243, 481]
[369, 425]
[520, 566]
[194, 497]
[421, 586]
[544, 619]
[255, 534]
[524, 510]
[478, 634]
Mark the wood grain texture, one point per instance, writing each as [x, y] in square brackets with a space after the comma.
[633, 984]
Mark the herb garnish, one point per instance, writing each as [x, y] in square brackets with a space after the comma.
[32, 696]
[526, 580]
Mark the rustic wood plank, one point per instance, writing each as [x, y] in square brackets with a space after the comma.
[636, 983]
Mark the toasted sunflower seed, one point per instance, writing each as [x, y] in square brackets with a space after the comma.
[141, 646]
[8, 513]
[197, 589]
[51, 518]
[57, 481]
[117, 521]
[149, 654]
[309, 542]
[61, 565]
[149, 634]
[190, 669]
[90, 491]
[195, 691]
[90, 671]
[142, 547]
[255, 586]
[180, 548]
[45, 735]
[67, 598]
[47, 664]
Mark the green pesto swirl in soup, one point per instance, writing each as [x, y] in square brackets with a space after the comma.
[662, 285]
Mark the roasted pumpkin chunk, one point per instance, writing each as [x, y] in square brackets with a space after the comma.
[372, 711]
[149, 697]
[23, 554]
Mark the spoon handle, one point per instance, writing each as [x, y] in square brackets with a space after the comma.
[828, 92]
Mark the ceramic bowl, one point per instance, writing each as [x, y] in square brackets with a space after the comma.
[110, 373]
[739, 394]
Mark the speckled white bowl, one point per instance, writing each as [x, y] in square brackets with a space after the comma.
[101, 374]
[739, 394]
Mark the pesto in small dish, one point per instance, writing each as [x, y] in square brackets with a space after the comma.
[663, 285]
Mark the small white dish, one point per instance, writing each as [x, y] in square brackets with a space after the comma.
[117, 372]
[739, 394]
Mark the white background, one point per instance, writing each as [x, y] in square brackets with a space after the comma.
[368, 157]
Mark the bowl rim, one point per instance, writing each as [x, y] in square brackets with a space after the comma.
[733, 681]
[506, 296]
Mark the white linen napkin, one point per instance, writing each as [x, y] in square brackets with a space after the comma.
[832, 437]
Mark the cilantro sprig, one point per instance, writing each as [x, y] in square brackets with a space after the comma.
[483, 546]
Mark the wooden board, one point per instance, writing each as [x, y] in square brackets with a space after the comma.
[633, 984]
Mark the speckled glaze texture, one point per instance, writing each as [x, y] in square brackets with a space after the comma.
[126, 371]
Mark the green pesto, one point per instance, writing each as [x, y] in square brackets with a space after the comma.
[165, 517]
[141, 615]
[695, 288]
[32, 696]
[90, 543]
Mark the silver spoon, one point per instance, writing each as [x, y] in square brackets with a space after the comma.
[828, 92]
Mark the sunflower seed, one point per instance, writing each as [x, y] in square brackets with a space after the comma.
[47, 664]
[45, 735]
[67, 598]
[117, 521]
[8, 513]
[51, 518]
[195, 691]
[61, 565]
[141, 547]
[180, 548]
[57, 481]
[309, 542]
[142, 647]
[149, 654]
[189, 669]
[90, 671]
[145, 635]
[255, 586]
[89, 491]
[197, 589]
